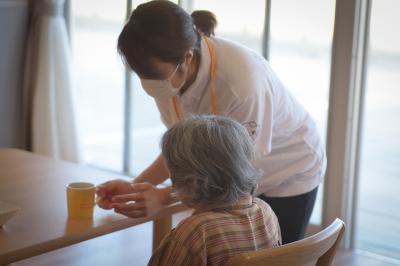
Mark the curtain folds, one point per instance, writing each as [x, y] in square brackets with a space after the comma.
[49, 120]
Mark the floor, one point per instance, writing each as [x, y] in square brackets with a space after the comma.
[133, 247]
[359, 258]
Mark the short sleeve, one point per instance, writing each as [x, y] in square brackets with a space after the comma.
[172, 252]
[255, 112]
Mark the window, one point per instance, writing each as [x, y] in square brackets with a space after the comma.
[119, 121]
[101, 99]
[377, 227]
[101, 102]
[95, 25]
[146, 127]
[243, 23]
[102, 105]
[300, 50]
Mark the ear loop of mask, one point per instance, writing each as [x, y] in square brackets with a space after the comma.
[176, 70]
[173, 73]
[175, 104]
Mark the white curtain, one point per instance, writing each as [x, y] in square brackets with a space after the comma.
[48, 78]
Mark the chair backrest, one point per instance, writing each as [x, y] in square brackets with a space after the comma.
[318, 249]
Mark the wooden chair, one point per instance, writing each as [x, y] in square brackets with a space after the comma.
[318, 249]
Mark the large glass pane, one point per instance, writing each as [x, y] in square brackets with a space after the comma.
[99, 77]
[300, 49]
[378, 216]
[242, 21]
[146, 129]
[146, 125]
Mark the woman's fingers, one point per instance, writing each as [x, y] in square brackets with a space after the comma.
[139, 187]
[128, 207]
[146, 202]
[100, 192]
[106, 186]
[127, 197]
[120, 187]
[104, 204]
[113, 187]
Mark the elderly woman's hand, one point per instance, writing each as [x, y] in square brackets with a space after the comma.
[144, 199]
[109, 189]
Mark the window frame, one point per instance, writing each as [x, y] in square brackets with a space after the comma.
[348, 66]
[347, 81]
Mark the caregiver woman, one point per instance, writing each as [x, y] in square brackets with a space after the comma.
[190, 73]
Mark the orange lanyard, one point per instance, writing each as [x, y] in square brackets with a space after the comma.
[212, 77]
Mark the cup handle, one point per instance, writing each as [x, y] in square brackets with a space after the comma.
[96, 200]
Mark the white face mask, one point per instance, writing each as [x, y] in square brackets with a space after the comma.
[162, 89]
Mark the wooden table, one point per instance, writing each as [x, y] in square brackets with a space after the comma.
[37, 185]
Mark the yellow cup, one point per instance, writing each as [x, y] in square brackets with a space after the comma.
[80, 199]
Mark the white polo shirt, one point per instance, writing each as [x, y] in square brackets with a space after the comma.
[288, 147]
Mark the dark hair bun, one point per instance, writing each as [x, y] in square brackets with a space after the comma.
[205, 22]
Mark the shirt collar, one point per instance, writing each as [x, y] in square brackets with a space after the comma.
[244, 203]
[203, 75]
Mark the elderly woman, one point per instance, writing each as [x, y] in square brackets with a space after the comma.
[210, 162]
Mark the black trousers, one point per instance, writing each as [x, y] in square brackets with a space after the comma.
[293, 213]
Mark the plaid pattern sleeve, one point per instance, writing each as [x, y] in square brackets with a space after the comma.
[172, 252]
[211, 237]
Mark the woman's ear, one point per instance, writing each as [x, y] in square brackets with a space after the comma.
[189, 56]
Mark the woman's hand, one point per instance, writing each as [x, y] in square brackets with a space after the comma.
[143, 199]
[108, 190]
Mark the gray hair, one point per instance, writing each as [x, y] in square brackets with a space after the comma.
[210, 159]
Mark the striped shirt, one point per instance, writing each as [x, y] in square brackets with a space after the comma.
[212, 236]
